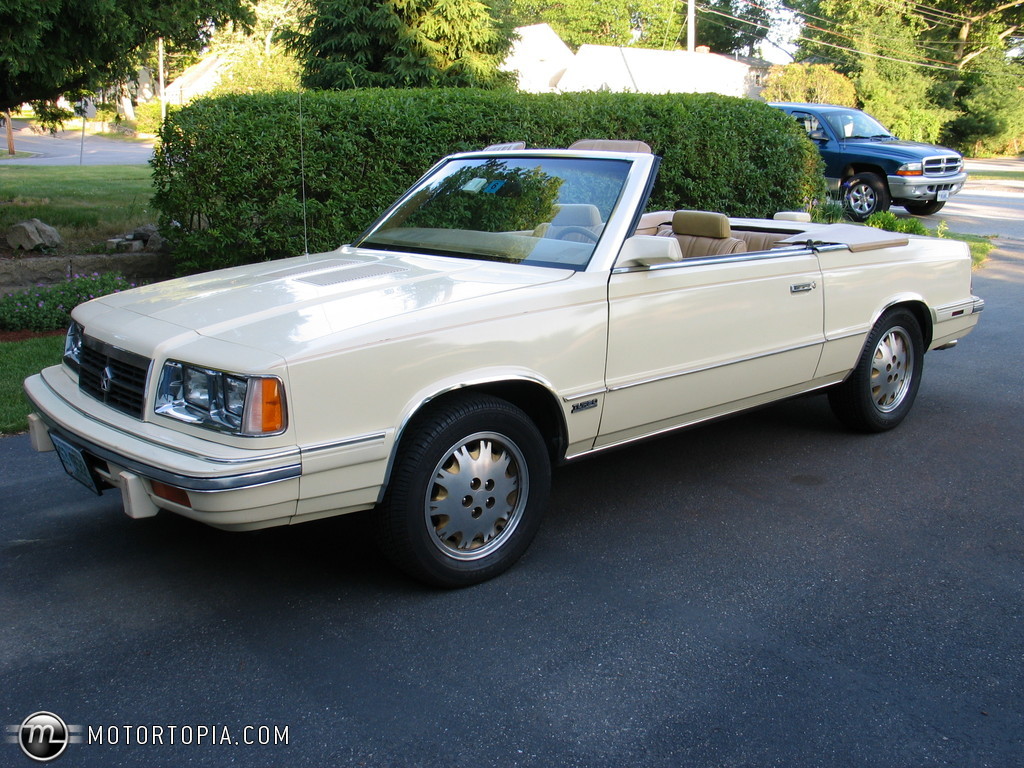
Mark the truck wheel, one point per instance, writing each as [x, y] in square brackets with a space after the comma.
[880, 391]
[470, 485]
[924, 209]
[864, 194]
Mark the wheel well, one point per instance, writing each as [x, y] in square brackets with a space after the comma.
[533, 399]
[923, 315]
[854, 169]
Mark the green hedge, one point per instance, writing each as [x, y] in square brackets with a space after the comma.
[228, 169]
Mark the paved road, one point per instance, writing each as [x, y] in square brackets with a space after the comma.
[767, 591]
[67, 148]
[985, 207]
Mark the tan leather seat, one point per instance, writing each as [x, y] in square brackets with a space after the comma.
[702, 233]
[760, 241]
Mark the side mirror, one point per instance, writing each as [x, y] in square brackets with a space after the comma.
[818, 135]
[648, 250]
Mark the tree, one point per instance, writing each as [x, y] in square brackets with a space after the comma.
[642, 23]
[926, 70]
[732, 26]
[403, 43]
[725, 26]
[259, 59]
[816, 83]
[877, 44]
[71, 47]
[992, 102]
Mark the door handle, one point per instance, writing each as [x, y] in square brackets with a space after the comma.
[802, 287]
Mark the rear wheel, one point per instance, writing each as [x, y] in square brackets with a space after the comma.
[864, 194]
[926, 208]
[879, 393]
[469, 487]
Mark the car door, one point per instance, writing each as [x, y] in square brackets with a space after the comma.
[702, 337]
[831, 149]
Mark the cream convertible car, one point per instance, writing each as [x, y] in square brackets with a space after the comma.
[514, 309]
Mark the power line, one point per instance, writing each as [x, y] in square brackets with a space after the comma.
[801, 38]
[836, 23]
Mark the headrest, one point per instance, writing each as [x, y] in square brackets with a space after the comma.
[801, 216]
[577, 215]
[701, 224]
[612, 145]
[505, 145]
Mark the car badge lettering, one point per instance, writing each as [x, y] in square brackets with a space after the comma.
[586, 405]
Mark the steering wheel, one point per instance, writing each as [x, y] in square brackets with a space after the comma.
[572, 229]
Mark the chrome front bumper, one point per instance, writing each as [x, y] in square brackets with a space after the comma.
[923, 188]
[175, 465]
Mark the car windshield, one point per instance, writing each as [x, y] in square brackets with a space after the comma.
[854, 124]
[543, 211]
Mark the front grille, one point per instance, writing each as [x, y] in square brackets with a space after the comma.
[113, 376]
[947, 165]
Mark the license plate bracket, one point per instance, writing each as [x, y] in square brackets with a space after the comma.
[76, 464]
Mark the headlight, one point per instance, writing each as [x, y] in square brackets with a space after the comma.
[910, 169]
[227, 402]
[73, 346]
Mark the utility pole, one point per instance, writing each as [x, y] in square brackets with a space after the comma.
[691, 26]
[160, 66]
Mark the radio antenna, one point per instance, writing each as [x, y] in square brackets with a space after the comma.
[302, 175]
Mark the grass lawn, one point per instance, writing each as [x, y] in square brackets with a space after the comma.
[979, 245]
[19, 359]
[87, 204]
[997, 176]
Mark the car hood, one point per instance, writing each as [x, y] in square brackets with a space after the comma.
[898, 148]
[283, 305]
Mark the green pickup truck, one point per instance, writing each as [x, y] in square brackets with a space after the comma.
[870, 169]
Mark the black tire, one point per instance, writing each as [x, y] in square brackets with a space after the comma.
[864, 194]
[925, 209]
[880, 391]
[484, 461]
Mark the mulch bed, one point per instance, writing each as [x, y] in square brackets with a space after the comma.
[22, 335]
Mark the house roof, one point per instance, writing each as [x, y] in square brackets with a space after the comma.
[546, 64]
[645, 70]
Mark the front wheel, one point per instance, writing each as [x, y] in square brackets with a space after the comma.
[864, 194]
[881, 390]
[469, 487]
[926, 208]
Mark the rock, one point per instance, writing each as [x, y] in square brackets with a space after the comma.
[144, 232]
[131, 245]
[32, 235]
[23, 235]
[157, 244]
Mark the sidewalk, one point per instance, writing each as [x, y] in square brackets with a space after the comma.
[994, 165]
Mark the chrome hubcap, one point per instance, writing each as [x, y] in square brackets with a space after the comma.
[892, 370]
[861, 199]
[477, 496]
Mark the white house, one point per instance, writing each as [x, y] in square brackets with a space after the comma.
[545, 64]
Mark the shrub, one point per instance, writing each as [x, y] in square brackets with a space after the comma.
[229, 169]
[48, 307]
[889, 221]
[828, 211]
[147, 116]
